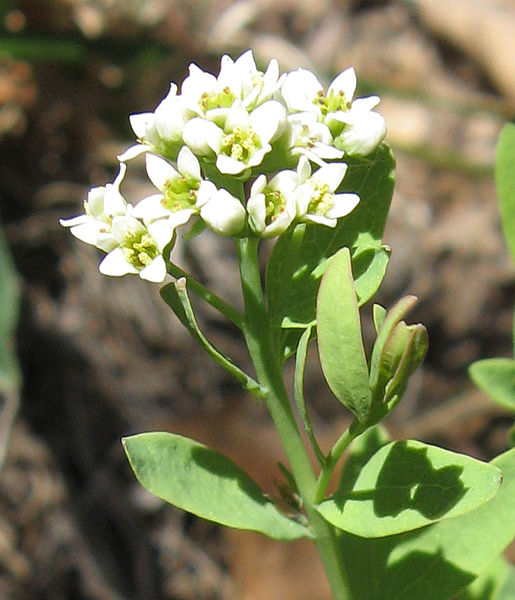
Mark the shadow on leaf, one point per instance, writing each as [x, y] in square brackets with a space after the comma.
[408, 480]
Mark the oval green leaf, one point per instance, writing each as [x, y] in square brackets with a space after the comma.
[435, 562]
[206, 483]
[408, 485]
[340, 344]
[496, 377]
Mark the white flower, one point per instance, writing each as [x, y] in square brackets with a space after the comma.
[159, 131]
[211, 97]
[316, 200]
[177, 200]
[311, 138]
[362, 133]
[272, 206]
[202, 137]
[247, 137]
[103, 204]
[138, 249]
[302, 92]
[223, 213]
[363, 129]
[256, 87]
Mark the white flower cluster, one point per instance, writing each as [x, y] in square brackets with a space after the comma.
[222, 131]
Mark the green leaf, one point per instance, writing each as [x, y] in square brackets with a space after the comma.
[361, 451]
[9, 299]
[407, 485]
[505, 182]
[435, 562]
[496, 583]
[496, 377]
[205, 483]
[507, 592]
[369, 268]
[298, 258]
[340, 345]
[378, 315]
[298, 392]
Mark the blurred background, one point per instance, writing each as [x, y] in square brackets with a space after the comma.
[103, 358]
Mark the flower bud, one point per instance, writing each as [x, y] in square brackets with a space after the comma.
[362, 133]
[398, 351]
[223, 213]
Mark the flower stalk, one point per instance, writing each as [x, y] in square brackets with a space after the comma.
[268, 368]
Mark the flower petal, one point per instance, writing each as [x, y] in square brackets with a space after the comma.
[343, 204]
[180, 217]
[268, 120]
[150, 208]
[74, 221]
[155, 272]
[345, 82]
[197, 83]
[303, 169]
[205, 191]
[331, 175]
[256, 208]
[364, 134]
[320, 220]
[162, 232]
[132, 152]
[229, 166]
[203, 137]
[115, 265]
[170, 116]
[237, 117]
[141, 123]
[88, 232]
[187, 164]
[365, 104]
[299, 90]
[159, 171]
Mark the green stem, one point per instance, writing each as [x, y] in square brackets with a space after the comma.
[356, 428]
[211, 298]
[269, 373]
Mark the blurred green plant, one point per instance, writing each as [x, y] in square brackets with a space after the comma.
[10, 377]
[496, 376]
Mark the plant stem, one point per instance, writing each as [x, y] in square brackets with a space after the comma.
[210, 297]
[356, 428]
[269, 373]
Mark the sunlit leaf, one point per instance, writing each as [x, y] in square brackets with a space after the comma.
[205, 483]
[407, 485]
[496, 377]
[437, 561]
[340, 344]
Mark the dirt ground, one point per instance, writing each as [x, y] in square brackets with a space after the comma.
[104, 358]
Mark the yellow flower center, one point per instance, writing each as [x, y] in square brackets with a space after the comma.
[139, 249]
[241, 144]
